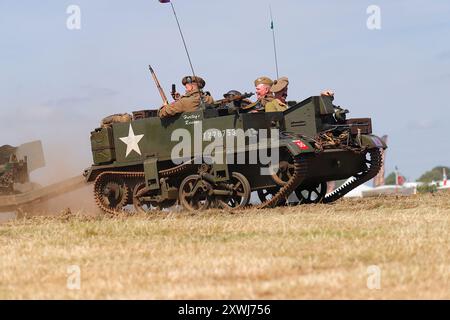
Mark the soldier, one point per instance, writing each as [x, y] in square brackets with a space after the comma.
[263, 94]
[231, 94]
[280, 90]
[236, 104]
[188, 102]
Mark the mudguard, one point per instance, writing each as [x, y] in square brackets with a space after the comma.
[297, 146]
[372, 141]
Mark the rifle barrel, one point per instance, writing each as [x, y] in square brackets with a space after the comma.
[158, 85]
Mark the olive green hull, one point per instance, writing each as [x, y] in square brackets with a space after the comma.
[313, 136]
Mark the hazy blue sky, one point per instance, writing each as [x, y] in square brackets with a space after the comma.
[56, 84]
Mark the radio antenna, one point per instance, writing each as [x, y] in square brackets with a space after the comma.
[274, 42]
[181, 33]
[202, 103]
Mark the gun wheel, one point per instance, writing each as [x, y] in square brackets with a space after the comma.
[194, 193]
[308, 194]
[241, 190]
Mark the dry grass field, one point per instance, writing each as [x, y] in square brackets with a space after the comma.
[307, 252]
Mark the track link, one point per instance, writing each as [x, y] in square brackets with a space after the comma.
[124, 176]
[300, 170]
[375, 165]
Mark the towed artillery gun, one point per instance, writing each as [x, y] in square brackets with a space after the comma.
[17, 192]
[16, 164]
[134, 163]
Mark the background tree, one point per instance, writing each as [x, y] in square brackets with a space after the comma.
[390, 179]
[433, 175]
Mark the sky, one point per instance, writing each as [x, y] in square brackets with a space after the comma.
[57, 84]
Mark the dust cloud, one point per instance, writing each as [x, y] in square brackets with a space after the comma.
[65, 161]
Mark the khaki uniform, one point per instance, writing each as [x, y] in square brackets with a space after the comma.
[189, 102]
[278, 87]
[260, 104]
[265, 100]
[275, 106]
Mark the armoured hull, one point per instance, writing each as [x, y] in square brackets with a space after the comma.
[211, 158]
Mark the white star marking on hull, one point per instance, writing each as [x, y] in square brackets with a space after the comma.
[132, 142]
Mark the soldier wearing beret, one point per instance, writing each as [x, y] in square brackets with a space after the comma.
[190, 101]
[263, 94]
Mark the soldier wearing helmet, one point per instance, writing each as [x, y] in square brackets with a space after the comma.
[231, 94]
[238, 103]
[190, 101]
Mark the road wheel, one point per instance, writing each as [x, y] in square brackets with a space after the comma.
[194, 193]
[308, 194]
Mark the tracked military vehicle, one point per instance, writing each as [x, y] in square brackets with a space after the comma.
[135, 166]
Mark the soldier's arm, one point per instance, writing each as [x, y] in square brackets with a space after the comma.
[171, 109]
[329, 93]
[162, 112]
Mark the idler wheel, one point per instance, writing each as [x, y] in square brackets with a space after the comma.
[241, 192]
[308, 194]
[194, 193]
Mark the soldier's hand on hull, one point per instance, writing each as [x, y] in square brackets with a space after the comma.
[327, 93]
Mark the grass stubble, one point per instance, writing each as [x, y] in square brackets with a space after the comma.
[304, 252]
